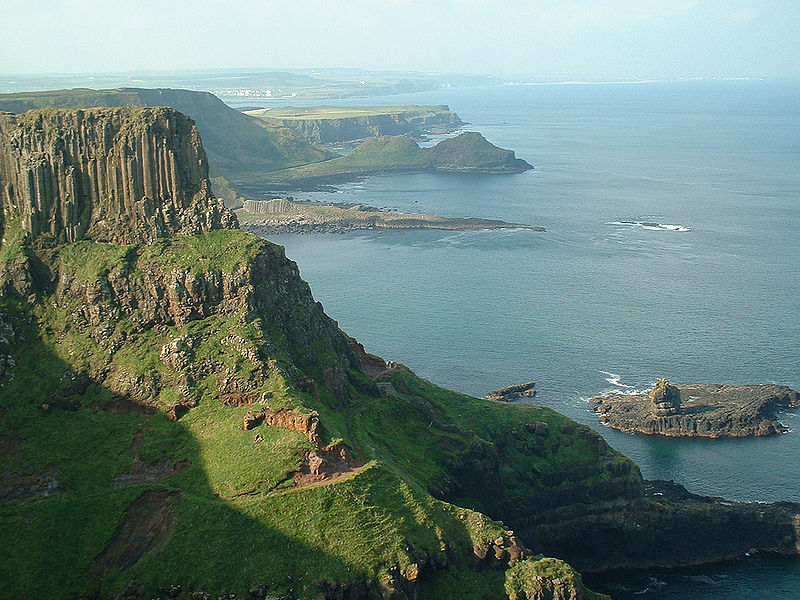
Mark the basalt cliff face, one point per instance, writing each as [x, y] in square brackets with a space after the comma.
[111, 175]
[236, 144]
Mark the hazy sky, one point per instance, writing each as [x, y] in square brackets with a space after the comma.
[599, 38]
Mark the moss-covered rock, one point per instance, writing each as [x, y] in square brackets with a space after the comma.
[547, 579]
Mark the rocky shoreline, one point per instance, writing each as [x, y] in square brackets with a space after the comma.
[698, 410]
[665, 526]
[279, 215]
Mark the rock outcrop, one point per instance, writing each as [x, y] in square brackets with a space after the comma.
[144, 289]
[113, 175]
[468, 152]
[512, 392]
[278, 215]
[698, 410]
[666, 399]
[547, 579]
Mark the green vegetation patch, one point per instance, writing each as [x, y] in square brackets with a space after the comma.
[224, 250]
[547, 578]
[13, 241]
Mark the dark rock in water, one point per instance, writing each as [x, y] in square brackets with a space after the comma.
[698, 410]
[512, 392]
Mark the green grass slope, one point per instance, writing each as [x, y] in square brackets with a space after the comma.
[237, 145]
[105, 487]
[468, 152]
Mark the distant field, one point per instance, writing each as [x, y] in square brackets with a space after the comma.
[345, 112]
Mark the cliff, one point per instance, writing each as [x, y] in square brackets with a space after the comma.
[698, 410]
[237, 145]
[116, 175]
[179, 417]
[177, 414]
[336, 125]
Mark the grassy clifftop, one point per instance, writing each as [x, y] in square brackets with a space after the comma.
[182, 416]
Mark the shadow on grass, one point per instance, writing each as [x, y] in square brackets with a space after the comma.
[97, 490]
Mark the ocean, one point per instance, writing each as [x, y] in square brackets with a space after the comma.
[603, 300]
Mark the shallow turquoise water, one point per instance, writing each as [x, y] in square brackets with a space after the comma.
[594, 304]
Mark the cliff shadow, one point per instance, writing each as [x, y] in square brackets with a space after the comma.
[98, 491]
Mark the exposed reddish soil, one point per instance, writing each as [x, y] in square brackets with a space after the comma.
[374, 366]
[326, 465]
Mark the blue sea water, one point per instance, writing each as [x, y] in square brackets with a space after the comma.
[598, 302]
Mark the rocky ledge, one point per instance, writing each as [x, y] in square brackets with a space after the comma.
[698, 410]
[512, 392]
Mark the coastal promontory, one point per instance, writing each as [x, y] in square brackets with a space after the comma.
[180, 418]
[698, 410]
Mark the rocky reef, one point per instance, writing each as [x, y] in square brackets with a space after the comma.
[113, 175]
[698, 410]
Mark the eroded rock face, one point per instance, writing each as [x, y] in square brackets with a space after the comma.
[665, 527]
[348, 129]
[265, 290]
[545, 579]
[122, 175]
[666, 399]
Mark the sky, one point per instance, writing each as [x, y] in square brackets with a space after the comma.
[591, 38]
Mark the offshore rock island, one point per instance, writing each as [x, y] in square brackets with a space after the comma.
[180, 418]
[698, 410]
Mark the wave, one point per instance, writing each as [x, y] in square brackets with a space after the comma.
[615, 379]
[653, 584]
[650, 225]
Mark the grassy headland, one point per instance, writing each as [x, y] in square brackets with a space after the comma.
[468, 152]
